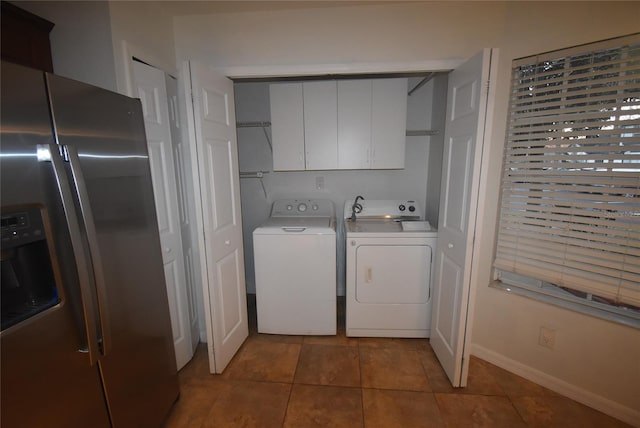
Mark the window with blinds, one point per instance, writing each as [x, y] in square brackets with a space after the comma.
[570, 191]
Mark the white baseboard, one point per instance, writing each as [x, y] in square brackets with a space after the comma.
[612, 408]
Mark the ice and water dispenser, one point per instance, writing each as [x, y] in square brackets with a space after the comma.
[28, 281]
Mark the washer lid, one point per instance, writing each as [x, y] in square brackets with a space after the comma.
[305, 225]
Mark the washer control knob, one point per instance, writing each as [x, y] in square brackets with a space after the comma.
[315, 207]
[302, 207]
[412, 208]
[289, 207]
[402, 207]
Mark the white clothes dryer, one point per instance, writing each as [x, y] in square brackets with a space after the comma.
[389, 258]
[295, 268]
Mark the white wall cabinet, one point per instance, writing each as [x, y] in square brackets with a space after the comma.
[348, 124]
[320, 124]
[372, 117]
[287, 126]
[388, 123]
[354, 124]
[304, 125]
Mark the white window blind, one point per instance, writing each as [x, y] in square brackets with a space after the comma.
[570, 201]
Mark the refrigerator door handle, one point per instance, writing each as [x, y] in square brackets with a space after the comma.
[88, 308]
[94, 249]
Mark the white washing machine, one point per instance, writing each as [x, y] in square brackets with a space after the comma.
[389, 259]
[295, 266]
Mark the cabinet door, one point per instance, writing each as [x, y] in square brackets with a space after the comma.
[321, 124]
[388, 123]
[287, 126]
[354, 124]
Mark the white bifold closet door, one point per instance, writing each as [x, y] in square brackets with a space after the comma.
[150, 87]
[218, 214]
[467, 99]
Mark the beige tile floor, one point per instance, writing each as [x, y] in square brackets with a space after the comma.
[337, 381]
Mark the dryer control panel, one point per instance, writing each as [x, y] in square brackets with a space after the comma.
[399, 209]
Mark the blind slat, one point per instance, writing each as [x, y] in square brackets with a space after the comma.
[585, 145]
[605, 223]
[569, 173]
[595, 216]
[574, 191]
[520, 99]
[563, 83]
[584, 209]
[607, 249]
[583, 119]
[544, 110]
[566, 132]
[556, 197]
[624, 181]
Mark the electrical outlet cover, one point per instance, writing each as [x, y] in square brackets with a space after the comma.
[547, 337]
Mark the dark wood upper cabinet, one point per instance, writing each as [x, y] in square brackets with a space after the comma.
[25, 38]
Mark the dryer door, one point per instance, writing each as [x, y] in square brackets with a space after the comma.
[397, 274]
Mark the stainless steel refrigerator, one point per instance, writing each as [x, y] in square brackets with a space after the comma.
[86, 338]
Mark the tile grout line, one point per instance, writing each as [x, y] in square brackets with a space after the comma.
[361, 387]
[431, 391]
[286, 410]
[515, 408]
